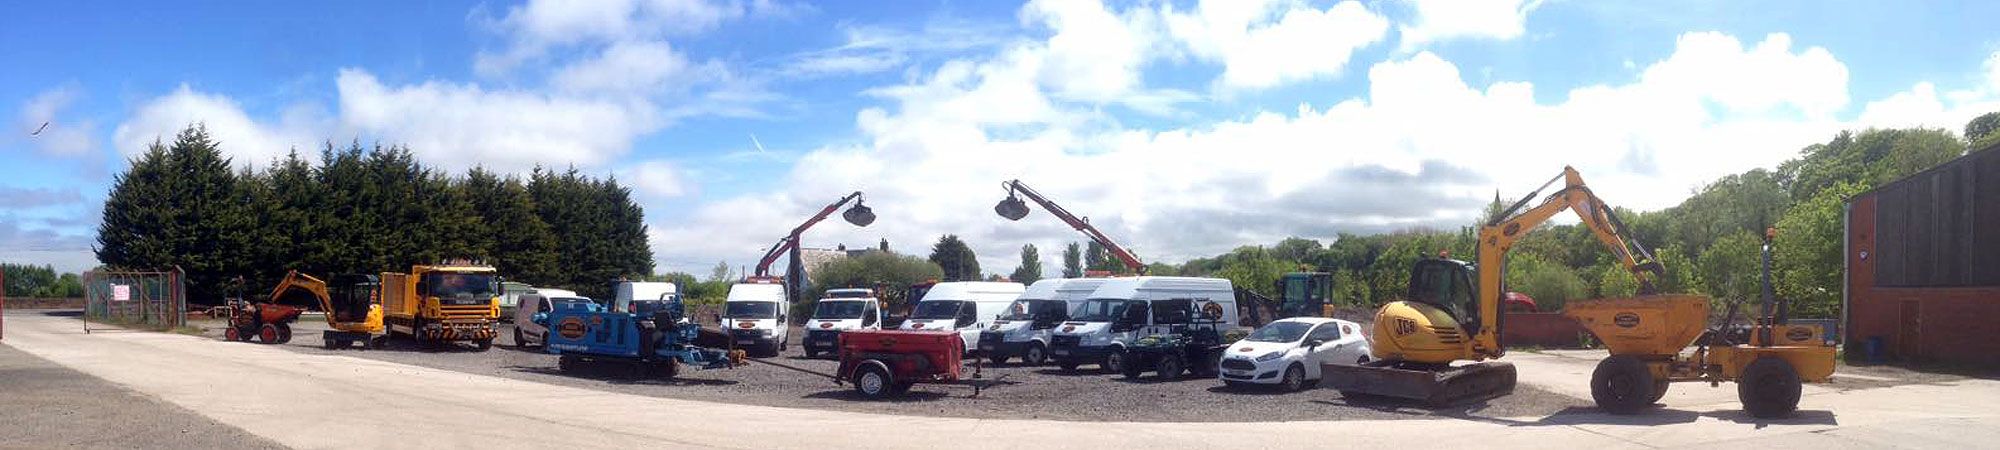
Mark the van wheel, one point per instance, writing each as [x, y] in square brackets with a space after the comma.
[1113, 362]
[873, 383]
[1295, 379]
[1035, 355]
[1769, 388]
[1622, 384]
[520, 340]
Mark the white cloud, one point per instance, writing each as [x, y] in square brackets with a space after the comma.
[655, 179]
[461, 125]
[1424, 147]
[634, 67]
[1440, 20]
[1266, 43]
[240, 137]
[541, 25]
[1095, 54]
[1923, 105]
[57, 137]
[873, 49]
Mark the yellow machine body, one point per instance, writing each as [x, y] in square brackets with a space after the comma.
[1660, 328]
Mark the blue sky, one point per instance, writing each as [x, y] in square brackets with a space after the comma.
[1184, 129]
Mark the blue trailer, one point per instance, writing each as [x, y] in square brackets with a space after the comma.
[655, 342]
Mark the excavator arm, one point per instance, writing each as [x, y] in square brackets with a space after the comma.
[297, 288]
[1500, 232]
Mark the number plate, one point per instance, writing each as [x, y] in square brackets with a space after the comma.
[1059, 352]
[1237, 372]
[986, 347]
[745, 342]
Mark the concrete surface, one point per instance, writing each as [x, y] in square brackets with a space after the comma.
[45, 405]
[322, 401]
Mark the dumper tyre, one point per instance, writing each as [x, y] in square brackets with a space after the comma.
[1659, 390]
[1035, 354]
[1171, 367]
[1294, 379]
[484, 344]
[231, 334]
[873, 382]
[1769, 388]
[284, 333]
[1622, 384]
[267, 334]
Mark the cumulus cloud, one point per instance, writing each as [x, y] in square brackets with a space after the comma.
[465, 124]
[1271, 42]
[655, 179]
[1924, 105]
[245, 140]
[1423, 148]
[57, 137]
[1440, 20]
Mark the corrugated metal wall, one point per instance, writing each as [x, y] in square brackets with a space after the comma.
[1941, 227]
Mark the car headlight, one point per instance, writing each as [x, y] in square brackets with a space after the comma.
[1270, 356]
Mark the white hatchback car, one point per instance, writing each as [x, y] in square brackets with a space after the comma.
[1288, 352]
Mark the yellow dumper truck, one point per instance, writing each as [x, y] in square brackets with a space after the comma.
[456, 301]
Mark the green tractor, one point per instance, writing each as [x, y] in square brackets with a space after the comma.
[1195, 346]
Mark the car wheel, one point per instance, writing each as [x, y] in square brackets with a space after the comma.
[1295, 378]
[1171, 367]
[1622, 384]
[1035, 355]
[873, 383]
[1769, 388]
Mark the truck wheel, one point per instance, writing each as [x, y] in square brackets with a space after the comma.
[1171, 367]
[1035, 355]
[873, 383]
[267, 334]
[1622, 384]
[284, 333]
[1295, 379]
[1113, 362]
[484, 344]
[567, 364]
[1659, 390]
[1769, 388]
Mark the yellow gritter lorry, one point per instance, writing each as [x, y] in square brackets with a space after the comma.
[456, 301]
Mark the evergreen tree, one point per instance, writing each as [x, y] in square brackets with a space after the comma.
[955, 258]
[1072, 261]
[1030, 269]
[524, 247]
[180, 206]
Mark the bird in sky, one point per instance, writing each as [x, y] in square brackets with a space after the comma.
[38, 130]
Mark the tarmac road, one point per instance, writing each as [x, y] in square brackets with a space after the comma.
[45, 405]
[303, 399]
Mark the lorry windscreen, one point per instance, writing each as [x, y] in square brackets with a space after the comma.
[462, 285]
[1101, 310]
[750, 310]
[936, 309]
[843, 309]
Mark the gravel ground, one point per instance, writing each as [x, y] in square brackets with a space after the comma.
[46, 405]
[1025, 392]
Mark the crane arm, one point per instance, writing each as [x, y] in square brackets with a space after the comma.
[1500, 232]
[1083, 225]
[791, 241]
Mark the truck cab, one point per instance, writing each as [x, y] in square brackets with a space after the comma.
[455, 301]
[840, 310]
[965, 307]
[1123, 310]
[1025, 329]
[755, 315]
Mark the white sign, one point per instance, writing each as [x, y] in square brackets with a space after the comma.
[120, 292]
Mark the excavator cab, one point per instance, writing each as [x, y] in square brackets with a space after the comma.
[1304, 294]
[1447, 285]
[349, 296]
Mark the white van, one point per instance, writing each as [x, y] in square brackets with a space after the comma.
[1123, 310]
[1024, 330]
[755, 315]
[840, 310]
[962, 306]
[530, 317]
[648, 294]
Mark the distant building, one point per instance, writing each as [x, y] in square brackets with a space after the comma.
[816, 257]
[1923, 265]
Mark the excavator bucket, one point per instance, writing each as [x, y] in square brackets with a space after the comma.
[1436, 388]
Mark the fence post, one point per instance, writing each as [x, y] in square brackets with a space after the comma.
[3, 305]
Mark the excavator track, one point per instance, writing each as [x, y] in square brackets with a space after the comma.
[1434, 386]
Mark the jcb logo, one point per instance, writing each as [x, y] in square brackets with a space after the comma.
[1405, 327]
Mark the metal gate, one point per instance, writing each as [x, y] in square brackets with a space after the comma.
[134, 299]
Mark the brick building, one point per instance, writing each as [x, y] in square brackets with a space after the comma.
[1923, 266]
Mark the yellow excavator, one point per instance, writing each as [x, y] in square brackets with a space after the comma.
[1449, 317]
[353, 313]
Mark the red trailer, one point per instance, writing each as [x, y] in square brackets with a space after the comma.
[885, 363]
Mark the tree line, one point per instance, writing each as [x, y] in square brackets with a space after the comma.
[22, 280]
[361, 210]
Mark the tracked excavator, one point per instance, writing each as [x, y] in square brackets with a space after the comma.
[353, 313]
[1452, 311]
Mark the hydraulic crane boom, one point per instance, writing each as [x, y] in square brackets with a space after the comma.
[1013, 209]
[859, 215]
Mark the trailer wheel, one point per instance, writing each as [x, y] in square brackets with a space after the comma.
[267, 334]
[567, 364]
[284, 333]
[1171, 367]
[1035, 355]
[873, 382]
[1769, 388]
[1622, 384]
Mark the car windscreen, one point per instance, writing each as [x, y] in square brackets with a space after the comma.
[936, 309]
[848, 309]
[750, 310]
[1101, 310]
[1280, 332]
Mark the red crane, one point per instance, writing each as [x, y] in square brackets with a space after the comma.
[859, 215]
[1013, 208]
